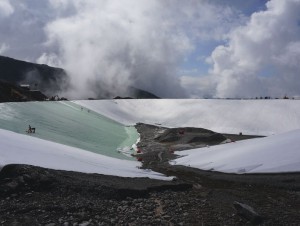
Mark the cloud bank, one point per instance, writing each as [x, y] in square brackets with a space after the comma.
[6, 9]
[261, 57]
[3, 48]
[109, 45]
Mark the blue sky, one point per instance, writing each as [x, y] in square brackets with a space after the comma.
[246, 7]
[195, 64]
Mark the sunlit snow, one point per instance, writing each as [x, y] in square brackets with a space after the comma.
[256, 117]
[279, 152]
[22, 149]
[276, 153]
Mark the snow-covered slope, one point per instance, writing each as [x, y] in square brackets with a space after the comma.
[21, 149]
[278, 153]
[257, 117]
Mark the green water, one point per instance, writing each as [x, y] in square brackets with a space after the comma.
[67, 123]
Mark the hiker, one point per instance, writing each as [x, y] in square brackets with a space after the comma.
[30, 129]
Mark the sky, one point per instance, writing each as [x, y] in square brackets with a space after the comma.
[173, 48]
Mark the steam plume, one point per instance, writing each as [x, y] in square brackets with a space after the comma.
[112, 45]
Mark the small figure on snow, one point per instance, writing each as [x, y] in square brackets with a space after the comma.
[30, 129]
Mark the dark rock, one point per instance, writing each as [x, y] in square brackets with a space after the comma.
[50, 224]
[42, 77]
[9, 187]
[248, 213]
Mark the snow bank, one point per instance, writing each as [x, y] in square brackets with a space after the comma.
[257, 117]
[278, 153]
[21, 149]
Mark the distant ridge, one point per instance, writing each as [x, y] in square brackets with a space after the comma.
[46, 79]
[49, 80]
[142, 94]
[13, 93]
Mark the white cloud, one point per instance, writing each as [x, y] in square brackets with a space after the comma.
[49, 59]
[3, 48]
[59, 4]
[110, 44]
[268, 42]
[203, 86]
[23, 30]
[6, 9]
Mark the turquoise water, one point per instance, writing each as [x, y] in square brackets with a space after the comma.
[67, 123]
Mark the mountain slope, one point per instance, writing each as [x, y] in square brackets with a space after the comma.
[47, 79]
[51, 80]
[13, 93]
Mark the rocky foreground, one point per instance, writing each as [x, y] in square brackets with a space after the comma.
[36, 196]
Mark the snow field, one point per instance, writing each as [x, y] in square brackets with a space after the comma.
[21, 149]
[279, 152]
[273, 154]
[253, 117]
